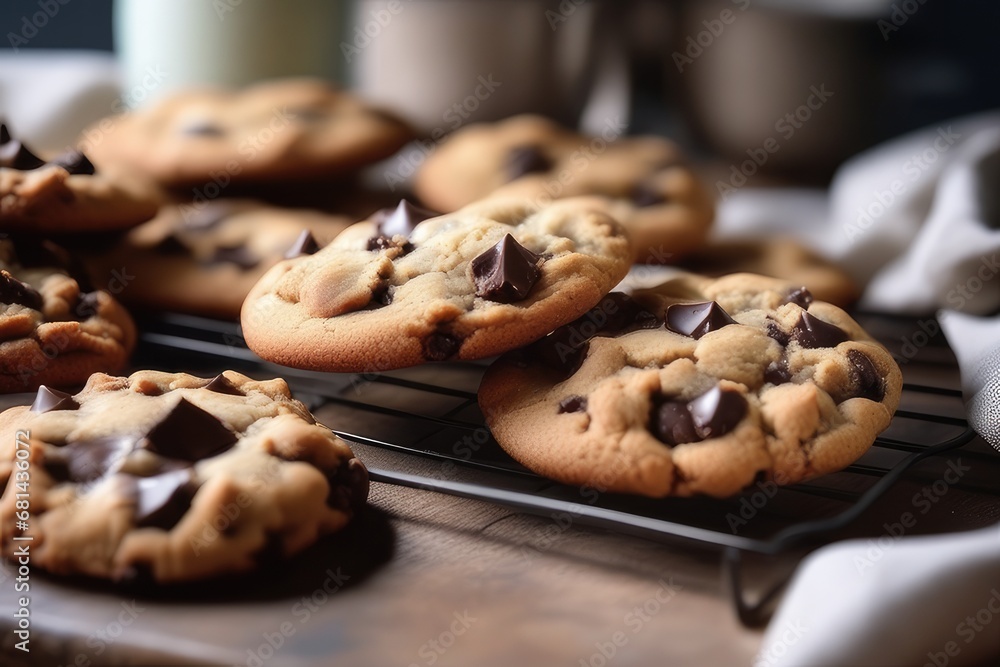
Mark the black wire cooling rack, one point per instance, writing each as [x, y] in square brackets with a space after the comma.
[431, 411]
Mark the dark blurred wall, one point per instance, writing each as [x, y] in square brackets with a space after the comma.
[77, 24]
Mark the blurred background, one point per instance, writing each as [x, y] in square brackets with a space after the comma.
[720, 76]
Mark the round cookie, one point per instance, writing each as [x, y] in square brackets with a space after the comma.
[696, 386]
[660, 202]
[288, 130]
[172, 477]
[204, 258]
[397, 292]
[66, 194]
[52, 330]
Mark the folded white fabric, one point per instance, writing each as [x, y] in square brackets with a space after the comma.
[911, 601]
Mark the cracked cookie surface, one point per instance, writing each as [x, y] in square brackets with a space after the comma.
[51, 330]
[696, 386]
[657, 198]
[409, 289]
[173, 477]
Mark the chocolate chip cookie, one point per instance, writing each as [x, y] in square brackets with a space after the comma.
[172, 477]
[661, 203]
[408, 288]
[697, 386]
[204, 258]
[277, 131]
[66, 193]
[52, 329]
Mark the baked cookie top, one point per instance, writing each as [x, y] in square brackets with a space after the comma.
[52, 331]
[696, 386]
[284, 130]
[204, 258]
[661, 203]
[173, 477]
[412, 288]
[66, 193]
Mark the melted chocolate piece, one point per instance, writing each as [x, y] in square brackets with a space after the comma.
[713, 414]
[86, 305]
[777, 333]
[236, 254]
[87, 460]
[15, 155]
[348, 486]
[801, 297]
[643, 195]
[75, 163]
[812, 332]
[440, 346]
[572, 404]
[672, 424]
[697, 319]
[401, 220]
[48, 400]
[162, 500]
[777, 372]
[203, 129]
[717, 412]
[559, 351]
[220, 384]
[871, 384]
[171, 245]
[13, 290]
[506, 272]
[621, 314]
[187, 432]
[522, 160]
[305, 244]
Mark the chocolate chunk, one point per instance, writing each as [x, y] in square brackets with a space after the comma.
[87, 460]
[671, 423]
[48, 400]
[162, 500]
[75, 163]
[522, 160]
[506, 272]
[13, 290]
[776, 332]
[305, 244]
[187, 432]
[801, 297]
[871, 384]
[560, 351]
[86, 306]
[171, 245]
[203, 129]
[618, 313]
[15, 155]
[239, 255]
[644, 195]
[717, 412]
[348, 486]
[401, 220]
[440, 346]
[812, 332]
[220, 384]
[379, 243]
[572, 403]
[777, 372]
[697, 319]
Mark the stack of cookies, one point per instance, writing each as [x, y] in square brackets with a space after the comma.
[244, 205]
